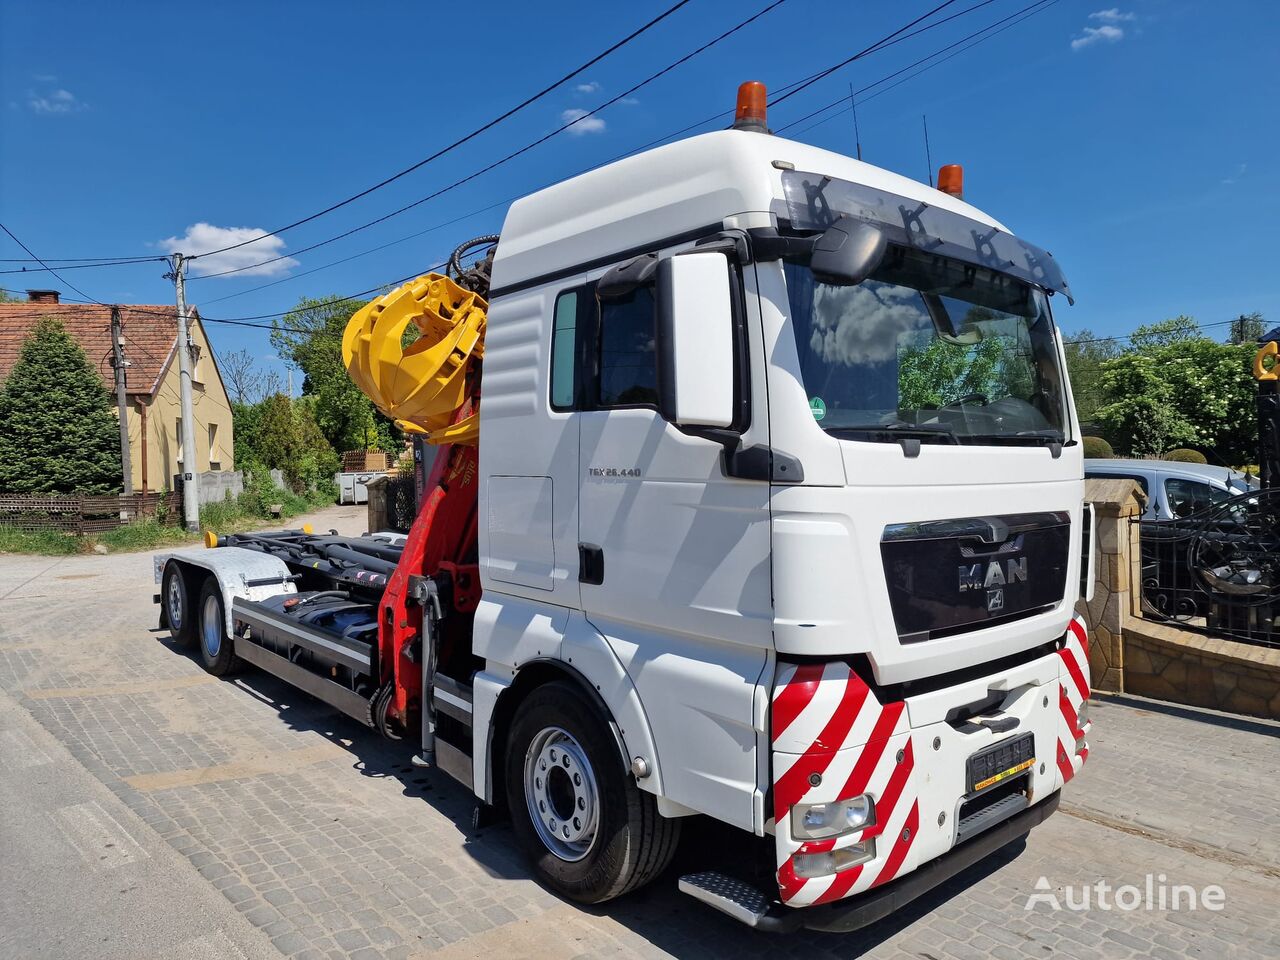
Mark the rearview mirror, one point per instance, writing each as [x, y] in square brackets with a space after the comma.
[695, 340]
[847, 252]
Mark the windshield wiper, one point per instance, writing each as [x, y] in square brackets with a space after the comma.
[897, 431]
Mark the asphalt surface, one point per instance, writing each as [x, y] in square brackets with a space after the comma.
[152, 811]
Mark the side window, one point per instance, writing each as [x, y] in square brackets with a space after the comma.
[564, 343]
[1189, 496]
[628, 359]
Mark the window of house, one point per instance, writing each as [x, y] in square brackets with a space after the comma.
[564, 342]
[215, 458]
[628, 358]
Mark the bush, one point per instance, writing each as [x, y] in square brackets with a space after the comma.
[1183, 455]
[1098, 449]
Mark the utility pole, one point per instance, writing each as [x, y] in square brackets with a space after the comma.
[120, 363]
[190, 490]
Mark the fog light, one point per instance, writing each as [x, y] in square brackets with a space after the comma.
[818, 821]
[1082, 715]
[810, 865]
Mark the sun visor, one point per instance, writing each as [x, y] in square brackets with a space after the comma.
[815, 202]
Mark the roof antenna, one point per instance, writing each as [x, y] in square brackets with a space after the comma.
[857, 138]
[928, 157]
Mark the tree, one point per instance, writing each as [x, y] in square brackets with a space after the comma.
[58, 428]
[939, 373]
[284, 436]
[1191, 392]
[1085, 353]
[310, 337]
[7, 297]
[1247, 328]
[1152, 336]
[247, 382]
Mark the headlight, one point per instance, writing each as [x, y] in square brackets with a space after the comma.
[810, 865]
[818, 821]
[1082, 715]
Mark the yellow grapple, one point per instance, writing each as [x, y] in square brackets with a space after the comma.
[421, 386]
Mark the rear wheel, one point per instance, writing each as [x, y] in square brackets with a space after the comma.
[217, 650]
[591, 833]
[175, 595]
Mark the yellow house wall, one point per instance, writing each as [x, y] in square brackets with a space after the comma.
[210, 406]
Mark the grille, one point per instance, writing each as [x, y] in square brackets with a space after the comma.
[949, 576]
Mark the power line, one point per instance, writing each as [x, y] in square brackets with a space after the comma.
[1026, 13]
[470, 136]
[510, 156]
[901, 34]
[43, 264]
[124, 262]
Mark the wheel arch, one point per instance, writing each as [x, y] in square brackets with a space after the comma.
[532, 676]
[237, 571]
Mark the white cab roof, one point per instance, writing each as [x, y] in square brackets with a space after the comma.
[687, 186]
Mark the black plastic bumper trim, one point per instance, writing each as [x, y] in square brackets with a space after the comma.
[844, 916]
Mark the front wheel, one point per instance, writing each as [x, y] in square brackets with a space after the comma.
[590, 832]
[217, 650]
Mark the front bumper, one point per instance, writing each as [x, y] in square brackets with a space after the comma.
[842, 916]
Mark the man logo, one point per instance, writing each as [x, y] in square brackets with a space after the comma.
[986, 576]
[995, 600]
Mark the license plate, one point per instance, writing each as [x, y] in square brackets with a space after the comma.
[1002, 761]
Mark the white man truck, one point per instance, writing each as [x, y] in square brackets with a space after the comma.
[756, 496]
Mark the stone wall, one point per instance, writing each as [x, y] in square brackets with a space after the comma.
[1167, 663]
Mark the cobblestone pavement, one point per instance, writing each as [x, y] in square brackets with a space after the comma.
[326, 840]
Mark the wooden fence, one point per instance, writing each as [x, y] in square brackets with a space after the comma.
[80, 513]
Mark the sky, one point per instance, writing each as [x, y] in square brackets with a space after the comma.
[1136, 142]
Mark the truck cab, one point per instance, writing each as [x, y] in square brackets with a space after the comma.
[758, 499]
[781, 515]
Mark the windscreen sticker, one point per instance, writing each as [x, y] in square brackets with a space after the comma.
[817, 407]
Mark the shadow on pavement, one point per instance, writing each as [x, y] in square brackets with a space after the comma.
[658, 913]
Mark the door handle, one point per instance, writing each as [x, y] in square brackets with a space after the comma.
[590, 563]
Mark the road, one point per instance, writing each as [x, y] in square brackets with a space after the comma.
[153, 811]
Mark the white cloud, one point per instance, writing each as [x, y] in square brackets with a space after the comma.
[629, 101]
[1240, 171]
[54, 100]
[202, 237]
[1113, 15]
[1109, 30]
[590, 87]
[584, 123]
[1103, 34]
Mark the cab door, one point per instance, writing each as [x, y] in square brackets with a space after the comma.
[674, 559]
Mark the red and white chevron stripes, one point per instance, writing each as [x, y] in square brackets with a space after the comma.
[1073, 692]
[833, 740]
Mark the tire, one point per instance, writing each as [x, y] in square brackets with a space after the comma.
[216, 649]
[589, 831]
[175, 598]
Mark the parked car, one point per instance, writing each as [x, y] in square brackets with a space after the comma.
[1174, 489]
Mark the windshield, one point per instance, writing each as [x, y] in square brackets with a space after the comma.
[928, 347]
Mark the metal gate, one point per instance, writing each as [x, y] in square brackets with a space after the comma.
[402, 502]
[1218, 570]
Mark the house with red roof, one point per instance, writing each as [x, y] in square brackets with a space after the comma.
[151, 380]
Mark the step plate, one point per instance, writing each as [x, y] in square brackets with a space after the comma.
[727, 894]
